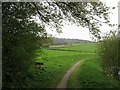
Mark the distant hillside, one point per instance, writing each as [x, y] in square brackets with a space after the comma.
[68, 41]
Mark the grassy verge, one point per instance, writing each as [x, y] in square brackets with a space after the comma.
[90, 75]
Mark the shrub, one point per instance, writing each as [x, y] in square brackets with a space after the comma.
[109, 52]
[20, 40]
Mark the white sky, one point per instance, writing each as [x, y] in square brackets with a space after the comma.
[73, 31]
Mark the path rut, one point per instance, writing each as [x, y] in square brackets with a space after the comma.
[63, 82]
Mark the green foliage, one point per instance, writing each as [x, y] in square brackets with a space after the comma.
[20, 40]
[86, 14]
[109, 52]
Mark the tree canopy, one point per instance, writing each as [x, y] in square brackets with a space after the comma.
[86, 14]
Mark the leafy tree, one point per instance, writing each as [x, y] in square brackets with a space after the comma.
[86, 14]
[20, 40]
[22, 35]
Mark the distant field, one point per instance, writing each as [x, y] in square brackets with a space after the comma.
[83, 47]
[59, 46]
[58, 62]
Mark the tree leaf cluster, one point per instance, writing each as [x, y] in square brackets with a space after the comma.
[86, 14]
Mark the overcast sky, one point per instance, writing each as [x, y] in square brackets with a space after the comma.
[73, 31]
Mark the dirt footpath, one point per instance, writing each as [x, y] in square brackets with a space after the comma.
[63, 82]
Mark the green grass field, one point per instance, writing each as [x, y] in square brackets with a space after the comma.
[58, 62]
[83, 47]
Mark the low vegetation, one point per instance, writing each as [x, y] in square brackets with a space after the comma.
[91, 75]
[55, 66]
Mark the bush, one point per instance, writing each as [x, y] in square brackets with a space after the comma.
[20, 41]
[109, 52]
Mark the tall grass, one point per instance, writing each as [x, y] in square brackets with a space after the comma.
[109, 52]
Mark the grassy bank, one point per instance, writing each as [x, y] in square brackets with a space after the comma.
[55, 66]
[90, 75]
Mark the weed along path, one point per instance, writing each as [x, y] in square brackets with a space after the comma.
[63, 82]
